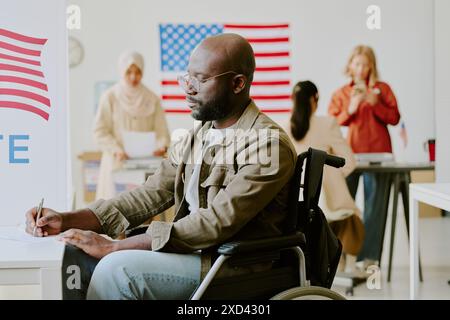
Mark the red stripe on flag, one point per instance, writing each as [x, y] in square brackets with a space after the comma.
[177, 110]
[173, 97]
[24, 81]
[256, 26]
[180, 110]
[267, 40]
[275, 110]
[9, 67]
[20, 37]
[256, 97]
[272, 97]
[271, 83]
[12, 58]
[24, 107]
[254, 83]
[26, 94]
[169, 82]
[269, 69]
[271, 54]
[17, 49]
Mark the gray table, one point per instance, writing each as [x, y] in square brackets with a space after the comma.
[399, 177]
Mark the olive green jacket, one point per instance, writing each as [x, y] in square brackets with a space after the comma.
[243, 189]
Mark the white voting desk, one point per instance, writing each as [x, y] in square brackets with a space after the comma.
[31, 263]
[434, 194]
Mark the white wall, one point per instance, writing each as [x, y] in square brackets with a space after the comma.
[442, 45]
[323, 34]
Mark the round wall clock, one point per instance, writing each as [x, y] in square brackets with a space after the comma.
[76, 52]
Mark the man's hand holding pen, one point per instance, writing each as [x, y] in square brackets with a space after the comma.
[49, 223]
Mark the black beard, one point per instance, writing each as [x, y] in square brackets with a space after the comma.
[212, 110]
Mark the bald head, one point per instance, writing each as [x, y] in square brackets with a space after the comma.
[229, 51]
[220, 74]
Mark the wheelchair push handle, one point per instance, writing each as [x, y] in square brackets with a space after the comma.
[334, 161]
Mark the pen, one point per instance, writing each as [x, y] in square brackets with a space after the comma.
[38, 216]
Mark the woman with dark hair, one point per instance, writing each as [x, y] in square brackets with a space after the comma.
[322, 132]
[305, 97]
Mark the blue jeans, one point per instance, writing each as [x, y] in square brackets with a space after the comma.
[375, 201]
[131, 274]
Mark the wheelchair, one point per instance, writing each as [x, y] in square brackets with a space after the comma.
[289, 277]
[290, 273]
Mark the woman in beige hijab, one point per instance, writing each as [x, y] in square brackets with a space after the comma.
[127, 106]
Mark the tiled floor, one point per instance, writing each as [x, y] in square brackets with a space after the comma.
[435, 255]
[434, 286]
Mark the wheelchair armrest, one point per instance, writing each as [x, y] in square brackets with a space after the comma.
[262, 245]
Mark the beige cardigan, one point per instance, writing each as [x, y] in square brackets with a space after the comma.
[335, 199]
[324, 134]
[111, 121]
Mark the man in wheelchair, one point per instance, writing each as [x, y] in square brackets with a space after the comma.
[229, 179]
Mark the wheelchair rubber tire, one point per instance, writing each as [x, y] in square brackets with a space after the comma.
[308, 293]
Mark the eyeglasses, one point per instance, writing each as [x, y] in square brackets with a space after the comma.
[189, 83]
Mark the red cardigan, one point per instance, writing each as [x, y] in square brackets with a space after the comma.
[368, 130]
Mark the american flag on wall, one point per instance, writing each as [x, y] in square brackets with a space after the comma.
[271, 87]
[22, 83]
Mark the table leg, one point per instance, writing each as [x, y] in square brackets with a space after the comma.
[393, 223]
[404, 190]
[387, 194]
[51, 284]
[413, 247]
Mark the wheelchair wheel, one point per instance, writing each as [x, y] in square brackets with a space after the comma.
[308, 293]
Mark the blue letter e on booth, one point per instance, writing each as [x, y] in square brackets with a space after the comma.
[13, 148]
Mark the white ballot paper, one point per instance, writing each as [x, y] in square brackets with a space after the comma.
[18, 233]
[139, 144]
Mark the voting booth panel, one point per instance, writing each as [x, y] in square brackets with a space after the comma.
[34, 149]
